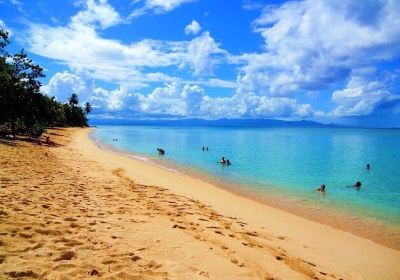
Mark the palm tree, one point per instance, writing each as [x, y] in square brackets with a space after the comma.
[87, 108]
[73, 100]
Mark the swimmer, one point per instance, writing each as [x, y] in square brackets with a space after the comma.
[368, 167]
[321, 188]
[357, 184]
[228, 162]
[160, 151]
[223, 161]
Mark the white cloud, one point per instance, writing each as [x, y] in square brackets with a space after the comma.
[193, 98]
[192, 28]
[362, 97]
[199, 54]
[171, 100]
[80, 47]
[116, 100]
[311, 45]
[254, 106]
[162, 6]
[97, 12]
[158, 6]
[164, 101]
[63, 84]
[219, 83]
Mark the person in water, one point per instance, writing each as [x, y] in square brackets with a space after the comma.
[203, 148]
[321, 188]
[228, 162]
[160, 151]
[223, 161]
[357, 184]
[207, 149]
[368, 166]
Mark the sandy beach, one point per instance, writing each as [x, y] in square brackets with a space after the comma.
[75, 211]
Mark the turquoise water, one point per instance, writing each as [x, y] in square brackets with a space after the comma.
[289, 162]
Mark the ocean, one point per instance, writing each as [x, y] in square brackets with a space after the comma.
[284, 166]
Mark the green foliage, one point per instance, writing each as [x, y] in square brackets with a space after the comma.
[73, 100]
[23, 108]
[87, 108]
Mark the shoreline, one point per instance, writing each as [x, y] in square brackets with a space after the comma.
[364, 227]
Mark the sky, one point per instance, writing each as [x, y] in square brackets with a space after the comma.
[322, 60]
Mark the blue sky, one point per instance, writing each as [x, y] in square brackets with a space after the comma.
[323, 60]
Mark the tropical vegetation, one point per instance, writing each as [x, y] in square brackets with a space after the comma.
[24, 109]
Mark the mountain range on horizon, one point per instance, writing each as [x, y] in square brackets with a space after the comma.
[216, 122]
[225, 122]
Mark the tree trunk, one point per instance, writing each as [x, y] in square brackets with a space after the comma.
[13, 129]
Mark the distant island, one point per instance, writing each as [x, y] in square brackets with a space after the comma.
[217, 122]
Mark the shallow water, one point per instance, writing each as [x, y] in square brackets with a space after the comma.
[287, 162]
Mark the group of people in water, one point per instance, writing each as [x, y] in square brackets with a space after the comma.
[223, 161]
[226, 162]
[356, 185]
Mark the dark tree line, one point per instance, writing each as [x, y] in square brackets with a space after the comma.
[23, 108]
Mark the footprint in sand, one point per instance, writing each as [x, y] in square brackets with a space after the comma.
[65, 256]
[20, 274]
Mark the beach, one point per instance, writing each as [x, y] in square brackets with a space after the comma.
[75, 211]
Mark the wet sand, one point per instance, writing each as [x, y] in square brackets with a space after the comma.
[76, 211]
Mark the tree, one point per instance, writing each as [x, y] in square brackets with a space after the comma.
[23, 108]
[73, 100]
[87, 108]
[20, 97]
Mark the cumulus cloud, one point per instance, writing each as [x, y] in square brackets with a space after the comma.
[313, 44]
[171, 100]
[255, 106]
[162, 6]
[192, 28]
[193, 97]
[164, 101]
[63, 84]
[120, 99]
[97, 12]
[158, 6]
[362, 97]
[79, 46]
[199, 54]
